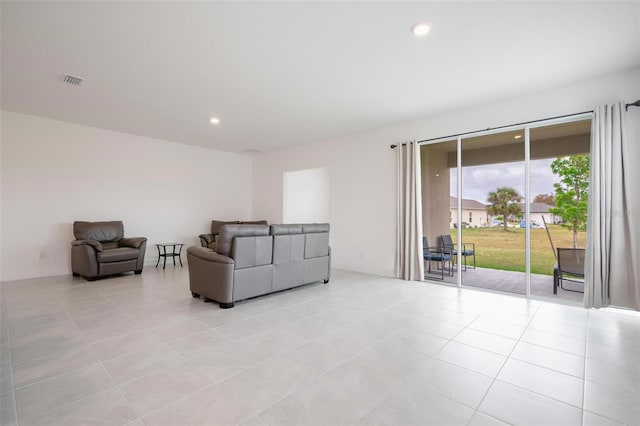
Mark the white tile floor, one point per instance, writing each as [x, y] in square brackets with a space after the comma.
[362, 350]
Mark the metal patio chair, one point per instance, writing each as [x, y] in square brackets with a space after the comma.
[441, 256]
[570, 267]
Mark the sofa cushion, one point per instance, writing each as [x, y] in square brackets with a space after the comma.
[252, 222]
[99, 231]
[308, 228]
[118, 254]
[316, 245]
[285, 229]
[249, 252]
[229, 232]
[288, 248]
[217, 224]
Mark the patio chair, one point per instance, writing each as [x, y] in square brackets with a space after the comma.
[448, 245]
[570, 267]
[440, 256]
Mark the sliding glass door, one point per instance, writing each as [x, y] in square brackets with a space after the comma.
[490, 207]
[493, 194]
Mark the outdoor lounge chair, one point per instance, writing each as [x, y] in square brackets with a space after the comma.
[468, 249]
[570, 267]
[440, 256]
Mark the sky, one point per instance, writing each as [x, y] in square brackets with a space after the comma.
[478, 181]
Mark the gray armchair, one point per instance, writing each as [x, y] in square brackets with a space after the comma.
[100, 250]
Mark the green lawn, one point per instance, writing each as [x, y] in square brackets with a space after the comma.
[498, 249]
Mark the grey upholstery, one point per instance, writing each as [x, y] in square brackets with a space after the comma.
[100, 249]
[288, 256]
[252, 260]
[209, 240]
[99, 231]
[229, 232]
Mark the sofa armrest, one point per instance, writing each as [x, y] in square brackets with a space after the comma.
[206, 239]
[97, 245]
[210, 255]
[132, 242]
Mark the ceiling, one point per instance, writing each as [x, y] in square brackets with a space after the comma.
[279, 74]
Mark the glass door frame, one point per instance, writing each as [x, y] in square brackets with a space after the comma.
[526, 127]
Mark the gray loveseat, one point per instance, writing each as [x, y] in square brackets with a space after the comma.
[100, 250]
[252, 260]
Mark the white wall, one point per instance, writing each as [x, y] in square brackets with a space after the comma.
[362, 167]
[306, 196]
[55, 172]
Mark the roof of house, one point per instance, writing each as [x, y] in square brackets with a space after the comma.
[467, 204]
[538, 207]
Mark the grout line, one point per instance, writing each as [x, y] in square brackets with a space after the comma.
[505, 361]
[68, 372]
[13, 381]
[357, 286]
[584, 367]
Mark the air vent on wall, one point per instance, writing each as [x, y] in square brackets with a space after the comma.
[72, 79]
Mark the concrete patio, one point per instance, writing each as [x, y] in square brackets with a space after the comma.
[513, 282]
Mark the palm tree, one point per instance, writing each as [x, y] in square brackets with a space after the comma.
[504, 201]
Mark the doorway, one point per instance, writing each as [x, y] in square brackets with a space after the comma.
[306, 196]
[494, 194]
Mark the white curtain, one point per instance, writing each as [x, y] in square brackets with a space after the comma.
[612, 262]
[409, 263]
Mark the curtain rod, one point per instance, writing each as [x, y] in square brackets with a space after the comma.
[504, 127]
[636, 103]
[499, 127]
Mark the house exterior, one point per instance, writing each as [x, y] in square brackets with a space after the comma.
[541, 210]
[474, 213]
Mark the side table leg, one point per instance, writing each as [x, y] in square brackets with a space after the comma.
[173, 255]
[164, 264]
[158, 247]
[180, 253]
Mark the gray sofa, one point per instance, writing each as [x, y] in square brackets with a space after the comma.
[252, 260]
[209, 240]
[100, 250]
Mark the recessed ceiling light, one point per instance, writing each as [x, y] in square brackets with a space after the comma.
[215, 120]
[420, 29]
[517, 136]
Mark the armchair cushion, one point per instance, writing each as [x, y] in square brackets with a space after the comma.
[99, 231]
[207, 238]
[217, 224]
[132, 242]
[97, 245]
[118, 254]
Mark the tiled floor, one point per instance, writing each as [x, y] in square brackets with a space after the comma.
[361, 350]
